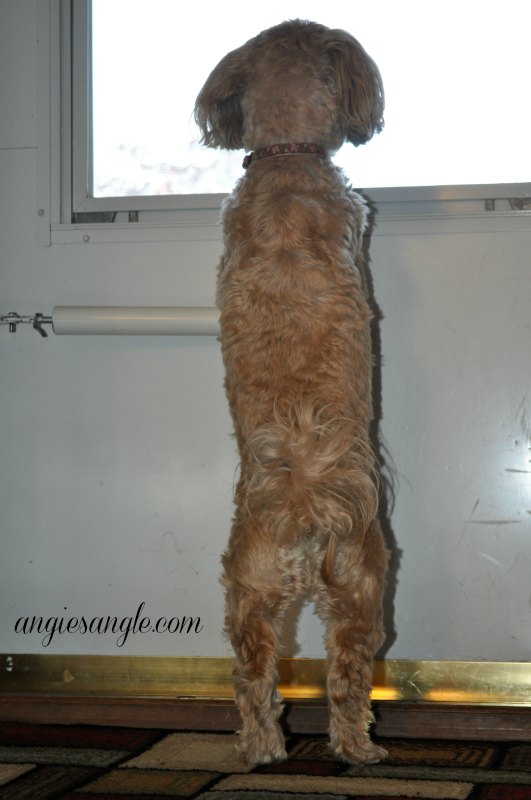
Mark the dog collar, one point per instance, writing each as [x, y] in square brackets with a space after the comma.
[290, 148]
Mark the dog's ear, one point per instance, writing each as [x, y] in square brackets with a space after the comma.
[218, 112]
[358, 86]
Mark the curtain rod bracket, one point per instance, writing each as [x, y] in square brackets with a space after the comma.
[13, 320]
[38, 321]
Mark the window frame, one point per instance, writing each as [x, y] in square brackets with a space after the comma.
[78, 205]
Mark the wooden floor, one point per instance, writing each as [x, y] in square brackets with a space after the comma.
[415, 720]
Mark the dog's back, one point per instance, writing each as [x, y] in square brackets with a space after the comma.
[296, 343]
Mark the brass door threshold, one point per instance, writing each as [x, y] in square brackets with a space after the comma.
[500, 684]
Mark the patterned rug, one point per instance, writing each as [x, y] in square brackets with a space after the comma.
[41, 762]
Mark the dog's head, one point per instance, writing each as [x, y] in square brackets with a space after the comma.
[298, 81]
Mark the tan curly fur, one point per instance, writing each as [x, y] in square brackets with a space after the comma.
[297, 351]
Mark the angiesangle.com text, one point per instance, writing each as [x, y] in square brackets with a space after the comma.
[49, 627]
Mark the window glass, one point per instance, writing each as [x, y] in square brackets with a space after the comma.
[455, 76]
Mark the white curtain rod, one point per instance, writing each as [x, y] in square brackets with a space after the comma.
[123, 320]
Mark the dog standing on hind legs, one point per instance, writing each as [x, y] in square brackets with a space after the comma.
[296, 346]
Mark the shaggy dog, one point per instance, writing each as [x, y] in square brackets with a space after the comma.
[296, 346]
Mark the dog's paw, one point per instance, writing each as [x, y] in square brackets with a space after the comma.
[257, 757]
[262, 747]
[358, 754]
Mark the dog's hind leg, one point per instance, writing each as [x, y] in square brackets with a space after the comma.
[352, 610]
[259, 589]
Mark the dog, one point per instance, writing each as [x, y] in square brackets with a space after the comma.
[296, 345]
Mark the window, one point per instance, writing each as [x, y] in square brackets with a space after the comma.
[455, 74]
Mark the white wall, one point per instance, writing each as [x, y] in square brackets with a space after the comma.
[116, 461]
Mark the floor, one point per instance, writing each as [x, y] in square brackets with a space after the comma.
[44, 762]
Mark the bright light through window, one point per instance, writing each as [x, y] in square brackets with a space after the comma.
[456, 76]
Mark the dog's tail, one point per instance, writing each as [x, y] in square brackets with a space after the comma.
[308, 466]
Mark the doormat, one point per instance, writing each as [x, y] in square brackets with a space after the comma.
[50, 762]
